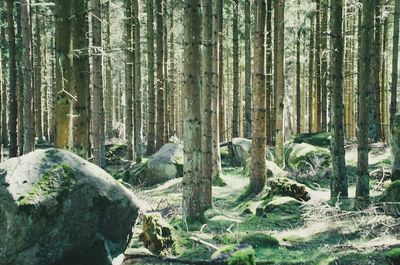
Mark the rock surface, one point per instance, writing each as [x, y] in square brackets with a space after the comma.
[56, 205]
[305, 157]
[287, 188]
[273, 170]
[165, 165]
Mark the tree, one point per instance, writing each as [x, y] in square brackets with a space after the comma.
[137, 86]
[64, 98]
[270, 113]
[108, 89]
[3, 109]
[129, 61]
[375, 125]
[206, 101]
[298, 77]
[311, 77]
[97, 97]
[247, 112]
[81, 78]
[37, 77]
[221, 71]
[364, 104]
[151, 134]
[258, 163]
[160, 74]
[324, 65]
[395, 62]
[339, 177]
[235, 57]
[193, 196]
[29, 143]
[279, 77]
[318, 64]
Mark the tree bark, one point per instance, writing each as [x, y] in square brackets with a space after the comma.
[160, 74]
[235, 55]
[279, 78]
[339, 186]
[270, 111]
[395, 62]
[311, 78]
[258, 162]
[138, 137]
[109, 87]
[298, 77]
[247, 112]
[221, 72]
[318, 64]
[193, 184]
[37, 74]
[129, 61]
[324, 65]
[364, 103]
[3, 102]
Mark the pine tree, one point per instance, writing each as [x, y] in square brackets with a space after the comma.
[270, 111]
[247, 112]
[258, 163]
[160, 74]
[129, 61]
[137, 86]
[235, 66]
[395, 62]
[37, 77]
[108, 74]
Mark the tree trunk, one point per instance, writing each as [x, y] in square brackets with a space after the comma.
[279, 78]
[324, 65]
[298, 77]
[247, 112]
[20, 79]
[3, 102]
[138, 83]
[160, 74]
[395, 62]
[151, 134]
[383, 80]
[270, 112]
[98, 132]
[108, 89]
[165, 72]
[258, 163]
[235, 55]
[129, 61]
[318, 64]
[364, 103]
[206, 91]
[377, 69]
[172, 75]
[81, 78]
[12, 97]
[339, 185]
[37, 49]
[193, 185]
[63, 117]
[221, 72]
[311, 78]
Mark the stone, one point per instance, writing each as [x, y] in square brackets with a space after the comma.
[273, 170]
[240, 149]
[164, 165]
[390, 198]
[56, 206]
[305, 157]
[287, 188]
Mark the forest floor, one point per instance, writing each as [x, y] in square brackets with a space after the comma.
[314, 232]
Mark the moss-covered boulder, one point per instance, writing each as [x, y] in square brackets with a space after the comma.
[164, 165]
[283, 204]
[273, 170]
[393, 256]
[316, 139]
[390, 198]
[255, 239]
[116, 153]
[240, 150]
[305, 157]
[286, 187]
[56, 205]
[242, 254]
[157, 234]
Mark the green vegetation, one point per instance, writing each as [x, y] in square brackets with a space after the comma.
[393, 256]
[317, 139]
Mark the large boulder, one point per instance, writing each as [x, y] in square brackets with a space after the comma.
[165, 165]
[390, 198]
[305, 157]
[240, 151]
[273, 170]
[287, 188]
[56, 206]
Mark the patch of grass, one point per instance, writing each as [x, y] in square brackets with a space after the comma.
[393, 256]
[236, 255]
[317, 139]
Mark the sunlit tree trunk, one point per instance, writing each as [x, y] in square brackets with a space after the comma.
[3, 77]
[81, 78]
[395, 62]
[193, 181]
[63, 103]
[364, 103]
[247, 112]
[137, 86]
[383, 81]
[269, 113]
[298, 77]
[129, 61]
[324, 65]
[279, 78]
[258, 164]
[160, 74]
[377, 69]
[109, 88]
[38, 88]
[172, 75]
[20, 81]
[311, 77]
[318, 64]
[235, 66]
[165, 71]
[339, 177]
[221, 72]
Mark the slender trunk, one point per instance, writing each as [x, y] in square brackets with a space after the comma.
[298, 78]
[38, 107]
[3, 102]
[311, 77]
[383, 81]
[129, 60]
[279, 78]
[318, 64]
[138, 137]
[12, 67]
[324, 65]
[193, 185]
[269, 113]
[97, 97]
[20, 81]
[81, 78]
[258, 163]
[247, 112]
[377, 68]
[165, 72]
[160, 74]
[236, 96]
[339, 186]
[221, 72]
[109, 88]
[395, 62]
[151, 134]
[364, 103]
[172, 75]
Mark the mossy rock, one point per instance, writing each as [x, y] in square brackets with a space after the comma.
[286, 187]
[390, 198]
[157, 234]
[273, 170]
[116, 153]
[305, 157]
[393, 256]
[235, 255]
[317, 139]
[283, 204]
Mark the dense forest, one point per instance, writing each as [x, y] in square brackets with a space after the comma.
[199, 132]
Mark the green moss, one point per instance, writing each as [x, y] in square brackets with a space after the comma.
[237, 255]
[317, 139]
[305, 157]
[393, 256]
[218, 181]
[57, 181]
[260, 240]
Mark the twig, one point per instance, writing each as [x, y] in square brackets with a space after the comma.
[205, 243]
